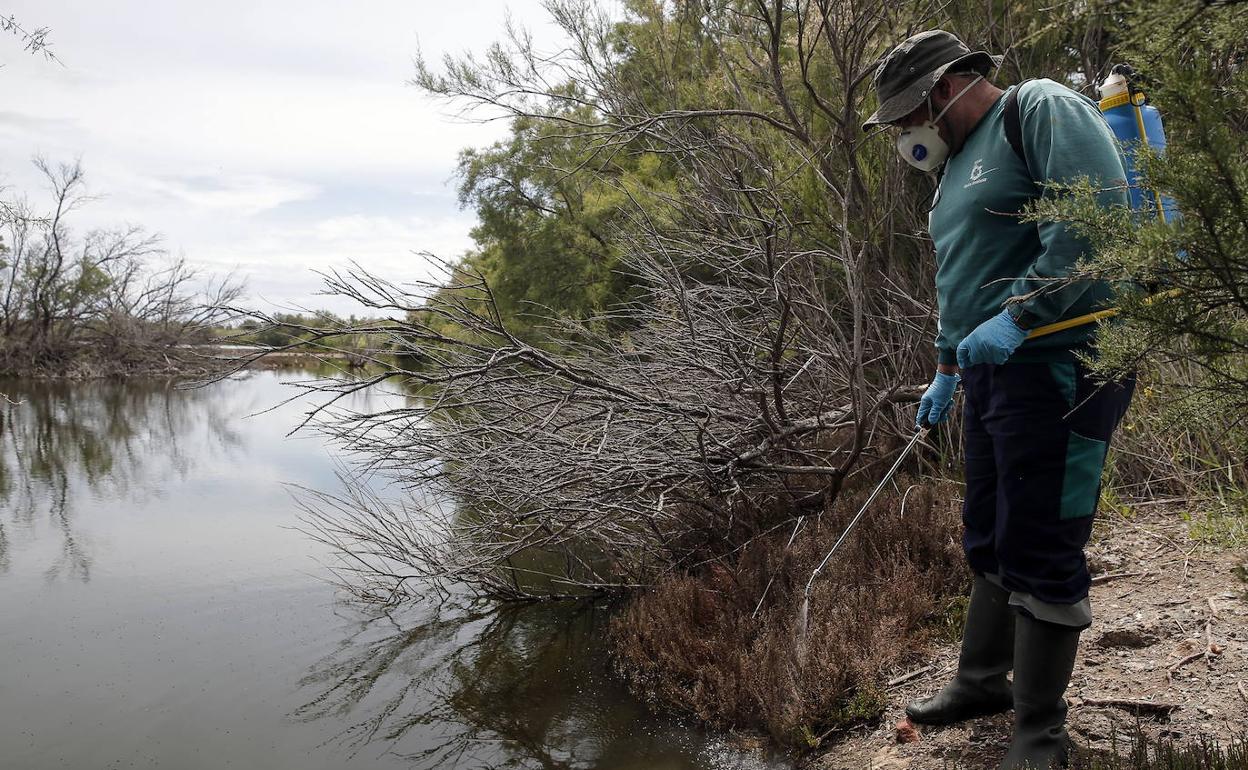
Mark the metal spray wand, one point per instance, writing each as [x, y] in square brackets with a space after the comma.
[805, 613]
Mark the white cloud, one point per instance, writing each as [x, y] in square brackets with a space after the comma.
[275, 136]
[275, 122]
[242, 196]
[281, 263]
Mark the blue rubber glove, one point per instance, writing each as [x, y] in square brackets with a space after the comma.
[934, 406]
[991, 342]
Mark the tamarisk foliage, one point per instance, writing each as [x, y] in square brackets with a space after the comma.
[775, 314]
[773, 331]
[1183, 310]
[615, 459]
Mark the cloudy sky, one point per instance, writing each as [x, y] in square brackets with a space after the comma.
[271, 137]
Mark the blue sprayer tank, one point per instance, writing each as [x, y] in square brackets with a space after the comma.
[1132, 119]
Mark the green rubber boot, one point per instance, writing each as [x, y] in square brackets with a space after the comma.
[980, 687]
[1044, 657]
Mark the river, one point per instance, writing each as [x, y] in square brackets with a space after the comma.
[161, 609]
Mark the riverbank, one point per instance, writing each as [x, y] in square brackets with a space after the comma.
[1168, 651]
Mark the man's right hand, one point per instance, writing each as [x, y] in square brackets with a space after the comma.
[935, 405]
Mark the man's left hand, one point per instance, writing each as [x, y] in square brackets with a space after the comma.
[991, 342]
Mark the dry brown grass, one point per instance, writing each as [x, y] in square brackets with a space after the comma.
[692, 646]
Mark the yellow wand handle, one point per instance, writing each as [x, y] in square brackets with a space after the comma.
[1070, 323]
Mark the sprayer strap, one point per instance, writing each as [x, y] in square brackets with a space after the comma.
[1014, 124]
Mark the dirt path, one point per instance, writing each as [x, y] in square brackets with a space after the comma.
[1170, 631]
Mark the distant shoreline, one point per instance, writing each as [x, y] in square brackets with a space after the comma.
[181, 361]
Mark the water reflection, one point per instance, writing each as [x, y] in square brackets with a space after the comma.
[161, 611]
[62, 440]
[521, 687]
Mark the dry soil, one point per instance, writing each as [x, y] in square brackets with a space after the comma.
[1168, 651]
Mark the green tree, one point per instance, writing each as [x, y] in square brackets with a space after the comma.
[545, 228]
[1189, 331]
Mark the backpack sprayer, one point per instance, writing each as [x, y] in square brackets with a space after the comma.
[1134, 122]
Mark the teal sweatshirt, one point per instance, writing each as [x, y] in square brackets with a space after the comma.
[985, 255]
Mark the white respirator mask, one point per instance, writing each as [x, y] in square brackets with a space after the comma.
[921, 145]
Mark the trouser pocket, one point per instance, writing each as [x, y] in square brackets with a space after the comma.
[1081, 482]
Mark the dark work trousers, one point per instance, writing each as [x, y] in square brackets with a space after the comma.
[1036, 435]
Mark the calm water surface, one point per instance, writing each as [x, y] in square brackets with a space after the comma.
[159, 610]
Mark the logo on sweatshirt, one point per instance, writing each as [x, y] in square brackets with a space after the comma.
[978, 174]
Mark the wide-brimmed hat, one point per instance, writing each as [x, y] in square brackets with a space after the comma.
[906, 75]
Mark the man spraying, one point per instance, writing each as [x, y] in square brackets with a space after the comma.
[1036, 427]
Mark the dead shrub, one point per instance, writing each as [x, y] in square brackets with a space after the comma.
[693, 644]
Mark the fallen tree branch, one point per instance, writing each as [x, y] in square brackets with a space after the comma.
[1099, 579]
[907, 677]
